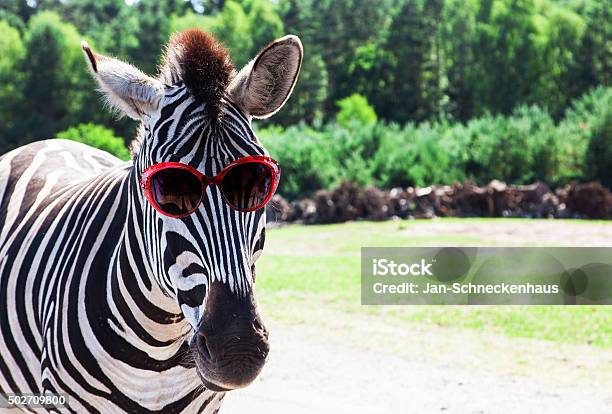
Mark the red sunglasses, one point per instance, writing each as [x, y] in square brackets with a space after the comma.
[176, 189]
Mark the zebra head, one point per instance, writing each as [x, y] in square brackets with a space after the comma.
[198, 112]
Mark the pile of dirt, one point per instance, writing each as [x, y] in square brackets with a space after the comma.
[497, 199]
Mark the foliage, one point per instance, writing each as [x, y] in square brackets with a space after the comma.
[190, 20]
[576, 130]
[108, 23]
[520, 148]
[98, 137]
[599, 153]
[414, 156]
[153, 30]
[12, 52]
[414, 60]
[306, 166]
[265, 24]
[355, 108]
[476, 89]
[53, 78]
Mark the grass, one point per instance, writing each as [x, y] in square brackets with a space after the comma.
[312, 273]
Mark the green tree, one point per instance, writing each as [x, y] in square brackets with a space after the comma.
[153, 28]
[111, 24]
[586, 115]
[190, 20]
[459, 32]
[373, 72]
[506, 55]
[410, 46]
[557, 39]
[434, 75]
[208, 7]
[112, 27]
[55, 79]
[265, 23]
[334, 29]
[592, 63]
[12, 52]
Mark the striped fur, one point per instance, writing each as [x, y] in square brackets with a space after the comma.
[101, 297]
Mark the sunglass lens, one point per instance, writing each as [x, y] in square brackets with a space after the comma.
[246, 186]
[176, 192]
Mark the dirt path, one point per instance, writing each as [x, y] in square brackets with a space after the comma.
[309, 372]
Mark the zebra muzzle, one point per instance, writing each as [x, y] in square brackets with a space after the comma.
[231, 345]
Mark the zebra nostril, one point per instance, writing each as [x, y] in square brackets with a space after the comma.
[258, 326]
[203, 347]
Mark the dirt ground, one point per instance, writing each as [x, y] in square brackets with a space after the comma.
[366, 367]
[437, 370]
[520, 232]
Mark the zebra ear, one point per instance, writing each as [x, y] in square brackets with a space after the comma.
[263, 86]
[126, 88]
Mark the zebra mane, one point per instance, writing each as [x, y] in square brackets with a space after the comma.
[202, 63]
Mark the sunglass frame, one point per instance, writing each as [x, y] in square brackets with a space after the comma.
[147, 174]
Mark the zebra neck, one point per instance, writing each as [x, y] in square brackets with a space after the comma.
[149, 317]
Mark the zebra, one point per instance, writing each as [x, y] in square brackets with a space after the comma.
[104, 299]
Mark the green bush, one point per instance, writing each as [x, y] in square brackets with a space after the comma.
[352, 148]
[414, 156]
[306, 165]
[599, 153]
[520, 148]
[355, 109]
[576, 132]
[99, 137]
[379, 154]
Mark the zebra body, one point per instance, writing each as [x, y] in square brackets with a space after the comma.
[108, 302]
[71, 334]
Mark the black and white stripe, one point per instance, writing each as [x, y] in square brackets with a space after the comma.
[99, 292]
[104, 299]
